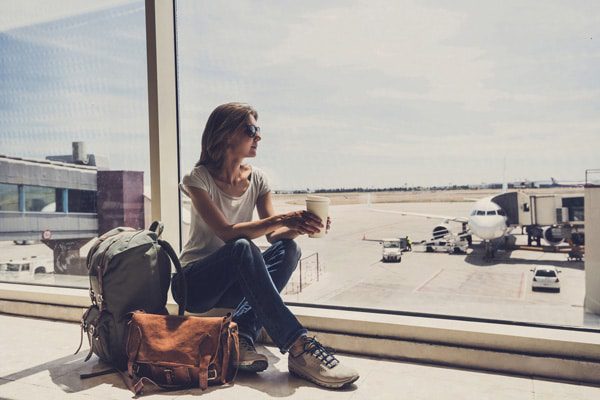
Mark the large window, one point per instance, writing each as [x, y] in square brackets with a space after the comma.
[407, 107]
[73, 132]
[394, 110]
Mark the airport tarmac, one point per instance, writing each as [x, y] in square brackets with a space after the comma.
[437, 283]
[351, 273]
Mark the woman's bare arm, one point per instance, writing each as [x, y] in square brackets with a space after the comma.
[300, 221]
[265, 209]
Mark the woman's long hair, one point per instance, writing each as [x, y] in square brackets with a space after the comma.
[220, 127]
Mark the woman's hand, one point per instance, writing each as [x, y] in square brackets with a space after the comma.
[303, 222]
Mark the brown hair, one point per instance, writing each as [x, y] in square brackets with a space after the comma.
[220, 127]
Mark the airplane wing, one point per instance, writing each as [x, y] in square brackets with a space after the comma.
[463, 220]
[372, 240]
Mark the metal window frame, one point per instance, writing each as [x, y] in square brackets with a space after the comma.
[163, 117]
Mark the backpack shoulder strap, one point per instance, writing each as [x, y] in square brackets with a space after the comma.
[165, 245]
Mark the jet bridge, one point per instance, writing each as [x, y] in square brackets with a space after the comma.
[541, 210]
[517, 207]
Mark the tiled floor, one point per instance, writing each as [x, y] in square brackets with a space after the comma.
[37, 362]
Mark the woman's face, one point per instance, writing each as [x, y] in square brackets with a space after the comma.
[242, 145]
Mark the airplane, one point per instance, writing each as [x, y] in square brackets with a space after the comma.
[487, 220]
[568, 184]
[552, 183]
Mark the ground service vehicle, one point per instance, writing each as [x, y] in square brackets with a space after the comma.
[391, 250]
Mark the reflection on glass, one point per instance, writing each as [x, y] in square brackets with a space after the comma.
[74, 137]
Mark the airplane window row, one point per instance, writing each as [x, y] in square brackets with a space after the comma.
[491, 212]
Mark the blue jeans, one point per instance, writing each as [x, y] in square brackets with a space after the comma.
[239, 276]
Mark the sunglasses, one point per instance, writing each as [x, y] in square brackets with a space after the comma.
[252, 130]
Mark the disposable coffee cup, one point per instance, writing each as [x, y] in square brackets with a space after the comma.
[319, 206]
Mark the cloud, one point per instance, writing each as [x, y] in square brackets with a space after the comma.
[18, 14]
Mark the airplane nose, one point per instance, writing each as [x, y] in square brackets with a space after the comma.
[487, 233]
[488, 229]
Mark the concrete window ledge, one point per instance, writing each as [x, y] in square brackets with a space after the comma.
[531, 351]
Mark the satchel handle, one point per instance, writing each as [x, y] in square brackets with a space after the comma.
[165, 245]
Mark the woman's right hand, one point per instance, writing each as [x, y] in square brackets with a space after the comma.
[303, 222]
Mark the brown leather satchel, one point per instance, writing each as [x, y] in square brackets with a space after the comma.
[176, 352]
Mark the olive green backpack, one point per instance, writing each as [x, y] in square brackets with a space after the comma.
[129, 270]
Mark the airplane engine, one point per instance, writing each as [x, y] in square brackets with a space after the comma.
[553, 235]
[441, 231]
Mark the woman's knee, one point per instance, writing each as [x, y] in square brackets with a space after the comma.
[295, 248]
[245, 252]
[292, 249]
[243, 245]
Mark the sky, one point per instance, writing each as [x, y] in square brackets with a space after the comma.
[349, 93]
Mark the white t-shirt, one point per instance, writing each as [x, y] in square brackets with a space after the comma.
[203, 241]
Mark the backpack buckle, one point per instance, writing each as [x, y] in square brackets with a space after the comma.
[99, 299]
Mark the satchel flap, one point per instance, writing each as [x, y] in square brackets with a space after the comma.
[171, 339]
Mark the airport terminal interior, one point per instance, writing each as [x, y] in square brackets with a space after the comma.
[456, 267]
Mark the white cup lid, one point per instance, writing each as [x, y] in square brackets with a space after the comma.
[318, 198]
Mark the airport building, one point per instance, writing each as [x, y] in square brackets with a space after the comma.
[66, 203]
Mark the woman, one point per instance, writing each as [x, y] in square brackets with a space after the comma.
[224, 268]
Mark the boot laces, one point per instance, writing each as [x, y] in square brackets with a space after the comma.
[322, 353]
[245, 344]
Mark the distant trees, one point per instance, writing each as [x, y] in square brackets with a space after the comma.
[387, 189]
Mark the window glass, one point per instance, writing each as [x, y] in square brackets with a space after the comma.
[83, 201]
[383, 107]
[73, 133]
[492, 212]
[9, 197]
[39, 198]
[12, 267]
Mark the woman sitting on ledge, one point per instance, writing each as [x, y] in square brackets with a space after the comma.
[224, 268]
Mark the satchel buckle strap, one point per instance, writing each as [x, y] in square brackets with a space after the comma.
[168, 376]
[212, 374]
